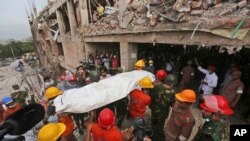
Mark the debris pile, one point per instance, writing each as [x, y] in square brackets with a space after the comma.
[171, 14]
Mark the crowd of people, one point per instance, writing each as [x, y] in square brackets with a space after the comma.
[154, 110]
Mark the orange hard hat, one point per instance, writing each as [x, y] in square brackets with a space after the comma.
[106, 118]
[186, 95]
[216, 103]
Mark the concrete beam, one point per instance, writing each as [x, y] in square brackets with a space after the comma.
[171, 37]
[60, 22]
[56, 5]
[72, 18]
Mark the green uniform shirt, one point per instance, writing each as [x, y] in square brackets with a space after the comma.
[213, 131]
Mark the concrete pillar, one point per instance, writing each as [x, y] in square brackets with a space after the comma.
[60, 22]
[122, 6]
[72, 18]
[128, 55]
[84, 12]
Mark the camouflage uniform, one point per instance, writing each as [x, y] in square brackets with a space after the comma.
[213, 131]
[162, 99]
[20, 97]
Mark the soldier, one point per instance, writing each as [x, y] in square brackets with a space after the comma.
[163, 99]
[187, 76]
[181, 121]
[51, 93]
[215, 128]
[19, 96]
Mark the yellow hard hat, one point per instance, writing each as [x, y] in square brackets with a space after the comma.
[52, 92]
[146, 82]
[51, 131]
[186, 95]
[140, 64]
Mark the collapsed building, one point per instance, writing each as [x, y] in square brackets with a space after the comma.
[215, 31]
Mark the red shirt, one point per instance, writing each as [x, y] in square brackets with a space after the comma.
[101, 134]
[139, 102]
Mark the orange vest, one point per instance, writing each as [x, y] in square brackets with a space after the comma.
[138, 103]
[67, 120]
[101, 134]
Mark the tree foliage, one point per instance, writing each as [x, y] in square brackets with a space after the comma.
[19, 48]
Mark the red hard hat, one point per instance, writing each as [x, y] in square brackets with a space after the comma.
[106, 118]
[216, 103]
[62, 77]
[161, 74]
[72, 78]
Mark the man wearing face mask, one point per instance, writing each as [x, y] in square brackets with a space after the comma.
[11, 106]
[215, 128]
[179, 124]
[48, 82]
[150, 67]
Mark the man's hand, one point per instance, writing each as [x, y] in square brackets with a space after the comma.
[127, 134]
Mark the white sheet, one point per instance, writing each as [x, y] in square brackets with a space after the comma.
[98, 94]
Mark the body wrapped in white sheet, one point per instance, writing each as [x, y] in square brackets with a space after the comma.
[95, 95]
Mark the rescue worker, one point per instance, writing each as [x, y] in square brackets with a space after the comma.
[234, 90]
[11, 106]
[19, 96]
[160, 77]
[105, 129]
[210, 81]
[150, 67]
[187, 76]
[51, 132]
[139, 99]
[51, 94]
[215, 128]
[139, 65]
[180, 121]
[162, 99]
[94, 76]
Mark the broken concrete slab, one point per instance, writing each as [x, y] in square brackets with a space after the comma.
[196, 12]
[242, 3]
[171, 15]
[141, 21]
[226, 12]
[124, 22]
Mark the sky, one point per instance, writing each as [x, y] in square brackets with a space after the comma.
[13, 19]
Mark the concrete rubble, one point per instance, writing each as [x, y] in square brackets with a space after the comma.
[170, 15]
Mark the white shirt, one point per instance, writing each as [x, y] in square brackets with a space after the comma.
[210, 79]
